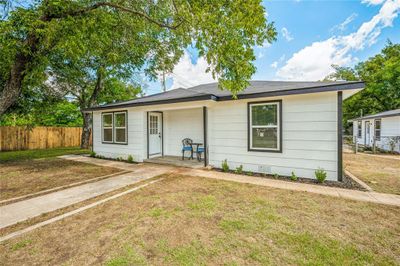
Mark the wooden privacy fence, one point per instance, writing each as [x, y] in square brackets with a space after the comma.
[22, 138]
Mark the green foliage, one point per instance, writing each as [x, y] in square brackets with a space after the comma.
[239, 169]
[276, 176]
[84, 46]
[381, 74]
[44, 113]
[93, 154]
[293, 177]
[130, 159]
[320, 175]
[225, 166]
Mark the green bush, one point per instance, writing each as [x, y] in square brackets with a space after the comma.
[239, 170]
[293, 177]
[92, 154]
[130, 159]
[225, 166]
[250, 173]
[320, 174]
[276, 176]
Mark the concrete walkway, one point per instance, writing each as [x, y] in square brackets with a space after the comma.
[22, 210]
[369, 196]
[375, 197]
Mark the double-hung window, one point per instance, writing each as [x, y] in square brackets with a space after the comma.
[359, 125]
[114, 127]
[377, 129]
[107, 127]
[265, 126]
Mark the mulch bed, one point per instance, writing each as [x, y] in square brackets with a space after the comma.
[347, 182]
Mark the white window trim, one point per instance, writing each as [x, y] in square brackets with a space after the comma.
[124, 127]
[380, 129]
[277, 126]
[108, 127]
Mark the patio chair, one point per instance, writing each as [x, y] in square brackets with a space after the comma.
[187, 146]
[199, 152]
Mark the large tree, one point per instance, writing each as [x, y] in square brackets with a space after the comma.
[381, 74]
[224, 32]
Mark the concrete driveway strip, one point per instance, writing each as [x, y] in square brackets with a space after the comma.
[20, 211]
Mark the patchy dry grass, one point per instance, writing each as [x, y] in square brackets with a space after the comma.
[192, 221]
[22, 177]
[381, 173]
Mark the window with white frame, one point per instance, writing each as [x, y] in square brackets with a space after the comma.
[114, 127]
[377, 129]
[359, 125]
[107, 127]
[265, 126]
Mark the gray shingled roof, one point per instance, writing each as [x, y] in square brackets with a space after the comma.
[395, 112]
[255, 89]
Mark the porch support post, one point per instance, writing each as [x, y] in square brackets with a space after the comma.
[147, 134]
[340, 136]
[205, 135]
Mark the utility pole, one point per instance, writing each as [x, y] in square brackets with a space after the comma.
[164, 88]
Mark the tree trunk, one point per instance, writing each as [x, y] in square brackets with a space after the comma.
[86, 128]
[13, 86]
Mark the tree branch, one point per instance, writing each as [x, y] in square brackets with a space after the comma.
[114, 6]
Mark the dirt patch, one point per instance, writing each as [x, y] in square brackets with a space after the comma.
[185, 220]
[20, 178]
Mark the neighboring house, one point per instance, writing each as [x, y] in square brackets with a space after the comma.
[383, 129]
[272, 126]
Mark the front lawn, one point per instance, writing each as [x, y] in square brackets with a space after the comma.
[381, 173]
[21, 173]
[6, 156]
[185, 220]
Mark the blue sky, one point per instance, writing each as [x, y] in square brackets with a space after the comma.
[312, 35]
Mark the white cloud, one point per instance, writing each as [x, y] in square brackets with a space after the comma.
[314, 62]
[372, 2]
[274, 64]
[187, 75]
[286, 34]
[260, 55]
[342, 26]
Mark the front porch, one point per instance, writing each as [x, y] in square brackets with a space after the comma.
[176, 161]
[166, 130]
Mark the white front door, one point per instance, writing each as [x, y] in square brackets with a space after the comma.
[367, 133]
[155, 133]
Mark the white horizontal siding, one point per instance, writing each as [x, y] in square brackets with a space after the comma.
[309, 136]
[181, 124]
[135, 137]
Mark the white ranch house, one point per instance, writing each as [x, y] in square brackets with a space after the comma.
[272, 127]
[382, 129]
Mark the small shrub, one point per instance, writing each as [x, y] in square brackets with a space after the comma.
[249, 173]
[293, 177]
[276, 176]
[130, 159]
[120, 159]
[239, 170]
[225, 166]
[320, 174]
[92, 154]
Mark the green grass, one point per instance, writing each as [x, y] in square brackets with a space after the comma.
[184, 220]
[7, 156]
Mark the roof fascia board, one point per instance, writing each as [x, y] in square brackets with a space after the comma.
[341, 87]
[168, 101]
